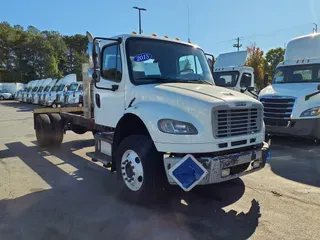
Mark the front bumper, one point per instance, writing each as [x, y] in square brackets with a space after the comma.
[297, 127]
[238, 163]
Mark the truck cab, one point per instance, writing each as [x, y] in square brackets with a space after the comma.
[63, 88]
[158, 116]
[292, 101]
[230, 71]
[73, 97]
[43, 84]
[28, 96]
[46, 90]
[34, 90]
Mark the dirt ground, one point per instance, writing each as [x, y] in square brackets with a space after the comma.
[61, 194]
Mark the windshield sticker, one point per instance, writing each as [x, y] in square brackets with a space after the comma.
[142, 57]
[278, 79]
[151, 69]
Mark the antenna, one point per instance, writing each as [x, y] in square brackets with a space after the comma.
[188, 22]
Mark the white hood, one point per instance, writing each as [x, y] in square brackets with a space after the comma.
[176, 93]
[289, 89]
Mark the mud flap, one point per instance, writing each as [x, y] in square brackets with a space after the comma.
[188, 172]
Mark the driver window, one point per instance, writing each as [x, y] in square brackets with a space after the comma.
[190, 64]
[245, 80]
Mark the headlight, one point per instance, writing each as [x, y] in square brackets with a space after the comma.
[176, 127]
[311, 112]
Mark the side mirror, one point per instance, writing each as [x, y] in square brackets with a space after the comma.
[265, 79]
[250, 89]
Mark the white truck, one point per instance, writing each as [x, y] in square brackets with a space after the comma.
[230, 71]
[46, 90]
[74, 95]
[34, 90]
[28, 93]
[63, 88]
[43, 84]
[292, 101]
[157, 121]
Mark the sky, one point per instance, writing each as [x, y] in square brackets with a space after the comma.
[212, 24]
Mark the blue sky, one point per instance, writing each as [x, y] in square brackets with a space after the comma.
[213, 23]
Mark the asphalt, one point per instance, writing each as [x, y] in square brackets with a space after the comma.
[60, 194]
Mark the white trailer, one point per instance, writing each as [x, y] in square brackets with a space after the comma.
[156, 120]
[230, 71]
[292, 101]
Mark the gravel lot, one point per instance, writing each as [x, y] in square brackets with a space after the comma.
[60, 194]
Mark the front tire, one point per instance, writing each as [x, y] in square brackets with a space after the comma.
[1, 98]
[140, 168]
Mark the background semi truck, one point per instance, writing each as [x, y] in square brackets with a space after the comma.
[157, 121]
[230, 71]
[292, 101]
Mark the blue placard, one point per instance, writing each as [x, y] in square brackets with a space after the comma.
[142, 57]
[188, 173]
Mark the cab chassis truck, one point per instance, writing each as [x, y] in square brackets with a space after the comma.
[170, 124]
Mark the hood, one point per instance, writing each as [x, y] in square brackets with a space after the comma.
[199, 92]
[289, 89]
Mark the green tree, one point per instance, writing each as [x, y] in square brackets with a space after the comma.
[255, 60]
[272, 59]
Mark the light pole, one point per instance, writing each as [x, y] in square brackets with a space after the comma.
[140, 9]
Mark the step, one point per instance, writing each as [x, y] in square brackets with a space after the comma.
[100, 157]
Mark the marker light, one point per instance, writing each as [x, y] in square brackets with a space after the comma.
[165, 36]
[153, 35]
[133, 33]
[177, 39]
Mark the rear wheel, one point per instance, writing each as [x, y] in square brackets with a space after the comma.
[78, 129]
[43, 130]
[140, 168]
[58, 127]
[1, 98]
[54, 105]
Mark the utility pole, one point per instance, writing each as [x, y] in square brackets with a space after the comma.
[140, 9]
[237, 45]
[315, 29]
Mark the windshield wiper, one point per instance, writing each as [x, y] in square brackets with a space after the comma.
[158, 79]
[199, 81]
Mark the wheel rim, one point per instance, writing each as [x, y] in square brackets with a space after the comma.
[59, 106]
[80, 104]
[54, 105]
[132, 170]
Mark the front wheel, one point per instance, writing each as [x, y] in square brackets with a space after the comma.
[1, 98]
[140, 168]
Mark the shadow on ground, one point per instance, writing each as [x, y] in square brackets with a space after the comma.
[296, 159]
[86, 204]
[21, 107]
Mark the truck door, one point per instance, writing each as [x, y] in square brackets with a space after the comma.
[109, 91]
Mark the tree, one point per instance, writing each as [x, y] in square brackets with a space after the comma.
[272, 59]
[255, 60]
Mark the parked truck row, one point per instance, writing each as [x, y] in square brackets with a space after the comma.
[54, 93]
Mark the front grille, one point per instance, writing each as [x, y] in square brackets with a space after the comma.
[236, 122]
[44, 97]
[58, 98]
[277, 111]
[66, 99]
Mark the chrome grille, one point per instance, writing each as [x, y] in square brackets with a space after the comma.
[66, 99]
[236, 122]
[277, 110]
[58, 98]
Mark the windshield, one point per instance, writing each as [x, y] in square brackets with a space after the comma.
[80, 87]
[73, 87]
[152, 60]
[297, 74]
[40, 89]
[55, 88]
[61, 87]
[226, 79]
[47, 88]
[34, 89]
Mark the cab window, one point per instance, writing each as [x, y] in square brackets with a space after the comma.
[111, 63]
